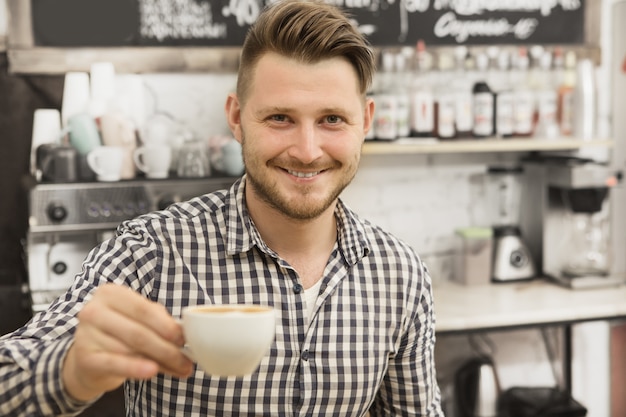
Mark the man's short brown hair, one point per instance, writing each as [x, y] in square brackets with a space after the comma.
[307, 31]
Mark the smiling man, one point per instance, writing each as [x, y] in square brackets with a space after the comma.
[301, 133]
[355, 319]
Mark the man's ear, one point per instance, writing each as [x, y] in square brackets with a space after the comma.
[368, 116]
[233, 115]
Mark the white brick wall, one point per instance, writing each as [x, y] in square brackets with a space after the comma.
[423, 199]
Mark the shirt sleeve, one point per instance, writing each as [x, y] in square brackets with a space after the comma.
[410, 387]
[31, 358]
[30, 368]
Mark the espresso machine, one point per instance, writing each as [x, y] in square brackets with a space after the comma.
[66, 220]
[568, 224]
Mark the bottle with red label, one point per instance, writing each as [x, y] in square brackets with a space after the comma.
[524, 99]
[462, 84]
[483, 110]
[385, 116]
[566, 94]
[483, 100]
[547, 99]
[422, 98]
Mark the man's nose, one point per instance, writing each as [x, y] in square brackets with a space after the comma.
[306, 145]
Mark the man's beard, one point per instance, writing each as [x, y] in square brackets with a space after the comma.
[299, 207]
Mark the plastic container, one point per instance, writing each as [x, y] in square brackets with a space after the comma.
[584, 101]
[474, 256]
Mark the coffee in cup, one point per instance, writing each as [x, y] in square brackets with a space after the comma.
[228, 340]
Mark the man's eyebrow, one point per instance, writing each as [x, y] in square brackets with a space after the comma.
[275, 109]
[337, 110]
[289, 110]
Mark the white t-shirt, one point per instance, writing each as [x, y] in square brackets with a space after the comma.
[311, 295]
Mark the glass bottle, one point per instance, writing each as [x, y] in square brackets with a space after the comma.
[483, 110]
[504, 97]
[385, 117]
[463, 110]
[566, 94]
[402, 81]
[445, 99]
[547, 99]
[483, 101]
[524, 101]
[422, 98]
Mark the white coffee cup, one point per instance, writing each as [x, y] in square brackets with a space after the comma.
[106, 162]
[76, 95]
[154, 160]
[228, 340]
[46, 129]
[102, 81]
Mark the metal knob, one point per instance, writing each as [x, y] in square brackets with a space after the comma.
[56, 212]
[59, 268]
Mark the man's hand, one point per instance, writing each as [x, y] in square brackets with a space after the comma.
[121, 335]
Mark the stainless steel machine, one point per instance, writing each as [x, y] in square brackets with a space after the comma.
[567, 223]
[68, 219]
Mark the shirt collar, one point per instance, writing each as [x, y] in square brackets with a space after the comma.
[242, 235]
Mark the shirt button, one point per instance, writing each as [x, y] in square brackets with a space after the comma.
[297, 288]
[305, 355]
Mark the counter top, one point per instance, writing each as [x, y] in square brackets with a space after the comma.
[461, 308]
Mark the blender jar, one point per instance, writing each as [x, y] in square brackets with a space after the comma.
[503, 195]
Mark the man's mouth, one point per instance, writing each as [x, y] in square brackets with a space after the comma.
[303, 174]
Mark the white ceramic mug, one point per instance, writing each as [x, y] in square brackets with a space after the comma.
[228, 340]
[106, 162]
[117, 129]
[83, 133]
[154, 160]
[46, 130]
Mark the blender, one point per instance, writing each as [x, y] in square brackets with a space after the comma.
[512, 260]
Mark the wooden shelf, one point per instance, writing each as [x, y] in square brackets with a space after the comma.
[430, 146]
[127, 60]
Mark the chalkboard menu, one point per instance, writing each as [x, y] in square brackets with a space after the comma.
[386, 22]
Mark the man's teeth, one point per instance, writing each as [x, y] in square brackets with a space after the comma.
[303, 174]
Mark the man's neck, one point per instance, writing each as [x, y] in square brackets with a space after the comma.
[292, 237]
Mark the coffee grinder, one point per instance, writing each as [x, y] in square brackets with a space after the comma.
[568, 225]
[512, 261]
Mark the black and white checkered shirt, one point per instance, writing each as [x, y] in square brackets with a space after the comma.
[369, 344]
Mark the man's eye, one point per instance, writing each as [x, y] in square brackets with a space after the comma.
[333, 119]
[278, 117]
